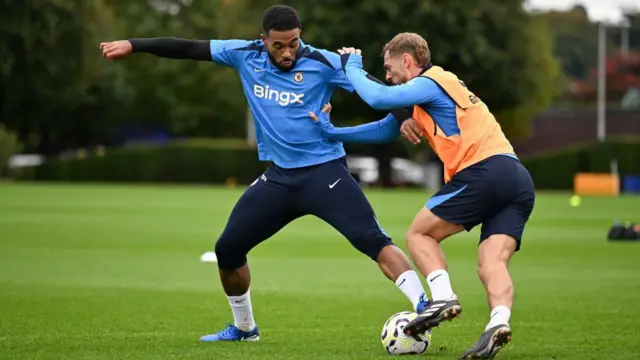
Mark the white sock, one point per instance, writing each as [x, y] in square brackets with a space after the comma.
[242, 312]
[440, 285]
[499, 316]
[409, 283]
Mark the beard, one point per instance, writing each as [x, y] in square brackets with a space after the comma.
[280, 66]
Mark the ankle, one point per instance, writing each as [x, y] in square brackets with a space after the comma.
[500, 315]
[440, 285]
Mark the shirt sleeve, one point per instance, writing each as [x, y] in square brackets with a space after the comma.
[380, 131]
[419, 90]
[173, 48]
[228, 52]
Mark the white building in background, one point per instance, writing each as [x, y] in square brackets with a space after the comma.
[608, 11]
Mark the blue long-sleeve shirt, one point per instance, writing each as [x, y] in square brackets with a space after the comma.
[420, 91]
[383, 130]
[417, 91]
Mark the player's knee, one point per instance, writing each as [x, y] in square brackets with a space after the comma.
[413, 239]
[488, 266]
[494, 254]
[416, 235]
[497, 248]
[371, 242]
[427, 225]
[491, 266]
[230, 256]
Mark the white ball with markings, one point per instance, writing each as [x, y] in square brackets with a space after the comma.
[394, 340]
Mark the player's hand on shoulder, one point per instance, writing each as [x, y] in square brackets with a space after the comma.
[410, 130]
[349, 50]
[115, 50]
[324, 115]
[347, 60]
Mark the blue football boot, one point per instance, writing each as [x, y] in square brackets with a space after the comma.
[422, 304]
[232, 333]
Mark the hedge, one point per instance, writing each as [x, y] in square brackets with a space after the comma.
[555, 170]
[193, 160]
[216, 161]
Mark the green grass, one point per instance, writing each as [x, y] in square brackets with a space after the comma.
[106, 272]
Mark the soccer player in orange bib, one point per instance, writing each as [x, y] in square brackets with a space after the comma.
[485, 183]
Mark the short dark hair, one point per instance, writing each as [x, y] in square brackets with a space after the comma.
[280, 18]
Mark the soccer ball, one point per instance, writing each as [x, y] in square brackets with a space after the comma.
[394, 340]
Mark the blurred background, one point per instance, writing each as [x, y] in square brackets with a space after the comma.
[561, 76]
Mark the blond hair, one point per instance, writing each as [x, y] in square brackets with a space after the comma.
[410, 43]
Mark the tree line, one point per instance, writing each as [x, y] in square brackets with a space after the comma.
[58, 93]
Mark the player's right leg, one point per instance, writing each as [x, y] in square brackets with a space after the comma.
[423, 241]
[332, 194]
[264, 208]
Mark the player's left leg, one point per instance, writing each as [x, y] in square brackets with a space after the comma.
[500, 238]
[494, 254]
[333, 195]
[493, 260]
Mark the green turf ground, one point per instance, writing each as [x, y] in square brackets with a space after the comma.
[113, 272]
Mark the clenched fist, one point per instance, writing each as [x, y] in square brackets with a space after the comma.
[116, 49]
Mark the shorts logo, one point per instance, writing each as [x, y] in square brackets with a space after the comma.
[283, 98]
[298, 77]
[262, 177]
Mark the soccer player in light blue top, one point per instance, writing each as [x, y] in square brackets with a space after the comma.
[283, 80]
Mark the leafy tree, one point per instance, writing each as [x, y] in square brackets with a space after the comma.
[501, 52]
[49, 79]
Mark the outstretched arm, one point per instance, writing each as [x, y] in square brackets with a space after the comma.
[166, 47]
[173, 48]
[219, 51]
[419, 90]
[380, 131]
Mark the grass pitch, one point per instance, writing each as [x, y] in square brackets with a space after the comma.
[113, 272]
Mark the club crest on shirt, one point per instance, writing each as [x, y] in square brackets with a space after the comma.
[298, 77]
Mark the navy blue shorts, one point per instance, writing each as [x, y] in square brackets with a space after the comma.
[497, 192]
[281, 195]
